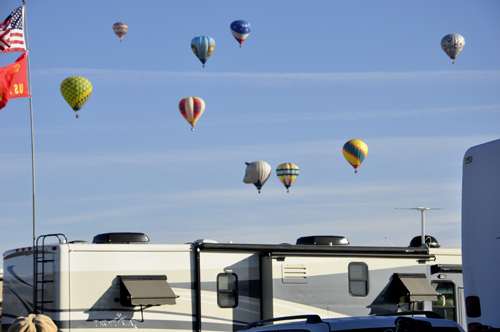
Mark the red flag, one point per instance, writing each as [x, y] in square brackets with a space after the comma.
[13, 81]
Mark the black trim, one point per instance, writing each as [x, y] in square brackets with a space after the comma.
[266, 287]
[197, 289]
[310, 319]
[307, 250]
[446, 268]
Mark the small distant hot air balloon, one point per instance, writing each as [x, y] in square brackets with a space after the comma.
[240, 30]
[287, 173]
[120, 29]
[453, 44]
[257, 172]
[355, 152]
[76, 91]
[203, 47]
[191, 109]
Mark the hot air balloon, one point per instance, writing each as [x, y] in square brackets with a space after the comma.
[203, 47]
[191, 109]
[120, 29]
[355, 152]
[76, 91]
[453, 44]
[287, 173]
[257, 172]
[240, 30]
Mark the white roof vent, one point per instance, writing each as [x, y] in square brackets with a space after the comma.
[205, 241]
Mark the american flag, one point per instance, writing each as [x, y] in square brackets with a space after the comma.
[11, 32]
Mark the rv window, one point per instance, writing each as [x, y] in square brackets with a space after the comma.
[358, 279]
[227, 290]
[445, 305]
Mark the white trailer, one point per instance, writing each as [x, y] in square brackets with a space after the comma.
[481, 235]
[120, 281]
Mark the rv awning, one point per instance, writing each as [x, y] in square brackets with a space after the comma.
[145, 290]
[419, 289]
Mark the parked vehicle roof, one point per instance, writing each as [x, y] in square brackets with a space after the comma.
[313, 323]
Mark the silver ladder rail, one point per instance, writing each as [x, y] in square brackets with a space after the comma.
[39, 276]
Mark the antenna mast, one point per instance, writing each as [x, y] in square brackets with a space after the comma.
[422, 210]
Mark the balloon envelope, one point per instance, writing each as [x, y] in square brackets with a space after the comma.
[355, 152]
[191, 109]
[452, 45]
[203, 47]
[287, 173]
[240, 30]
[257, 172]
[120, 29]
[76, 91]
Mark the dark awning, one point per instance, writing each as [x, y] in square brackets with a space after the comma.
[145, 290]
[419, 289]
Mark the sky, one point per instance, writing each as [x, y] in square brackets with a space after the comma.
[311, 76]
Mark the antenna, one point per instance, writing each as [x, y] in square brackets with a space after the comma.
[421, 209]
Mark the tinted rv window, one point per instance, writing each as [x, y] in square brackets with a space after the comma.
[358, 279]
[445, 305]
[227, 290]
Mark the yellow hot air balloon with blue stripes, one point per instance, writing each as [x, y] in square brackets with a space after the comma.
[76, 91]
[287, 173]
[355, 151]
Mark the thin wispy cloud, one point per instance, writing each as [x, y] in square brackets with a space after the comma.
[141, 77]
[385, 146]
[271, 117]
[240, 199]
[354, 115]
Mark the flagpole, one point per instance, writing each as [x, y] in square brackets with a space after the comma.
[32, 161]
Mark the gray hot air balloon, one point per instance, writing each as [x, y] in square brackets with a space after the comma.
[257, 172]
[452, 45]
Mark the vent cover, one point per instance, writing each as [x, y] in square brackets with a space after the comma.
[115, 238]
[294, 273]
[327, 240]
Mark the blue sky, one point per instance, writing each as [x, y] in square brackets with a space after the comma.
[310, 76]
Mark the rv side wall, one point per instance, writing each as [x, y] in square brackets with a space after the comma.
[481, 229]
[85, 292]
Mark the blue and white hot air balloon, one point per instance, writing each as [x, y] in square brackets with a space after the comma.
[203, 47]
[240, 30]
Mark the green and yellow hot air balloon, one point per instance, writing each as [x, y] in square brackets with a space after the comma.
[76, 91]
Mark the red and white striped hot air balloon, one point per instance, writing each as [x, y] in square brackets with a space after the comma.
[191, 109]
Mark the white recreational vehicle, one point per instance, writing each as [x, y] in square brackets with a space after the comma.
[481, 235]
[120, 281]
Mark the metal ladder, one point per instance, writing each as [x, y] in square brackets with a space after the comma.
[39, 277]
